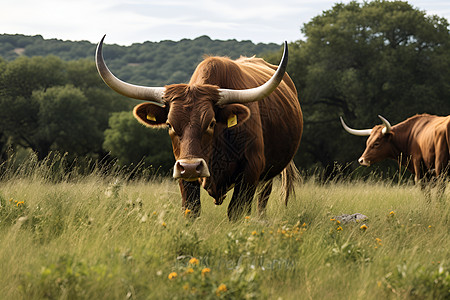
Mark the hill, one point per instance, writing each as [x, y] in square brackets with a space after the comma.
[148, 63]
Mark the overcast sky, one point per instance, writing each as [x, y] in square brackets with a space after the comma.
[137, 21]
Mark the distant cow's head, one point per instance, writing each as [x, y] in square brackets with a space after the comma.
[194, 114]
[378, 145]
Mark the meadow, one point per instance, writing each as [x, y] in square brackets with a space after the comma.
[103, 236]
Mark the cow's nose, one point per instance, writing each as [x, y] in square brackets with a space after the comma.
[364, 162]
[190, 169]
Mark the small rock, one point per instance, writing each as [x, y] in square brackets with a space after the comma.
[345, 218]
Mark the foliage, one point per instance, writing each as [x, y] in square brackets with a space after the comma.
[419, 282]
[47, 105]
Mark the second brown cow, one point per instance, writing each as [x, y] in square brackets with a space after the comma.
[420, 143]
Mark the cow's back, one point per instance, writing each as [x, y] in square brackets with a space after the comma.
[276, 122]
[430, 138]
[281, 118]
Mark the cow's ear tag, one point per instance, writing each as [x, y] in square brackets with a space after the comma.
[151, 117]
[232, 120]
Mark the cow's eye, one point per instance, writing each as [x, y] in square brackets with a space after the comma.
[376, 144]
[169, 125]
[212, 124]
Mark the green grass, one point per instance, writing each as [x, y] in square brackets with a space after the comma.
[101, 237]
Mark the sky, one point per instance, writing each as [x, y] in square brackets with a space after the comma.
[136, 21]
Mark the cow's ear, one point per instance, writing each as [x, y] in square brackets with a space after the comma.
[150, 114]
[233, 115]
[389, 135]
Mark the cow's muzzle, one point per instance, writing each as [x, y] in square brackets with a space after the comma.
[363, 162]
[190, 169]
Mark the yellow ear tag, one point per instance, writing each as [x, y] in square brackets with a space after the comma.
[151, 117]
[232, 120]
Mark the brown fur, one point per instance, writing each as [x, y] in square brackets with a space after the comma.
[258, 148]
[422, 143]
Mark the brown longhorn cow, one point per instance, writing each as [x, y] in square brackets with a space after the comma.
[237, 123]
[420, 143]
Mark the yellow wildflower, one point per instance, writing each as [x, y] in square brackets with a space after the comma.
[155, 213]
[172, 275]
[332, 219]
[247, 217]
[187, 211]
[363, 227]
[221, 288]
[339, 228]
[189, 271]
[186, 287]
[193, 261]
[338, 222]
[254, 232]
[164, 224]
[392, 213]
[205, 271]
[20, 203]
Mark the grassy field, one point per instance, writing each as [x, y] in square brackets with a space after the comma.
[102, 237]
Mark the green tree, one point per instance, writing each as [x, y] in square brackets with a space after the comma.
[364, 59]
[65, 123]
[24, 75]
[132, 143]
[47, 104]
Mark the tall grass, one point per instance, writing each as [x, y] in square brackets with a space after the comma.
[99, 235]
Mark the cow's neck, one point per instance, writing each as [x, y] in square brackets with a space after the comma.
[401, 142]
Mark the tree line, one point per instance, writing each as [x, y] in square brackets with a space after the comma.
[357, 60]
[52, 99]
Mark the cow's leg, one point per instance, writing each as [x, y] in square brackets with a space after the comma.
[422, 179]
[417, 172]
[241, 201]
[441, 163]
[263, 197]
[190, 197]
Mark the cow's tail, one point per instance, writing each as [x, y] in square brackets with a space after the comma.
[289, 176]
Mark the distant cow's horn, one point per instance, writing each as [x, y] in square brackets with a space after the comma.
[387, 125]
[258, 93]
[154, 94]
[358, 132]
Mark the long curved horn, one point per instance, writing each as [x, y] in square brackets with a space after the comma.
[260, 92]
[154, 94]
[387, 125]
[362, 132]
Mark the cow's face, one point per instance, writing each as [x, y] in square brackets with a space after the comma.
[378, 147]
[193, 120]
